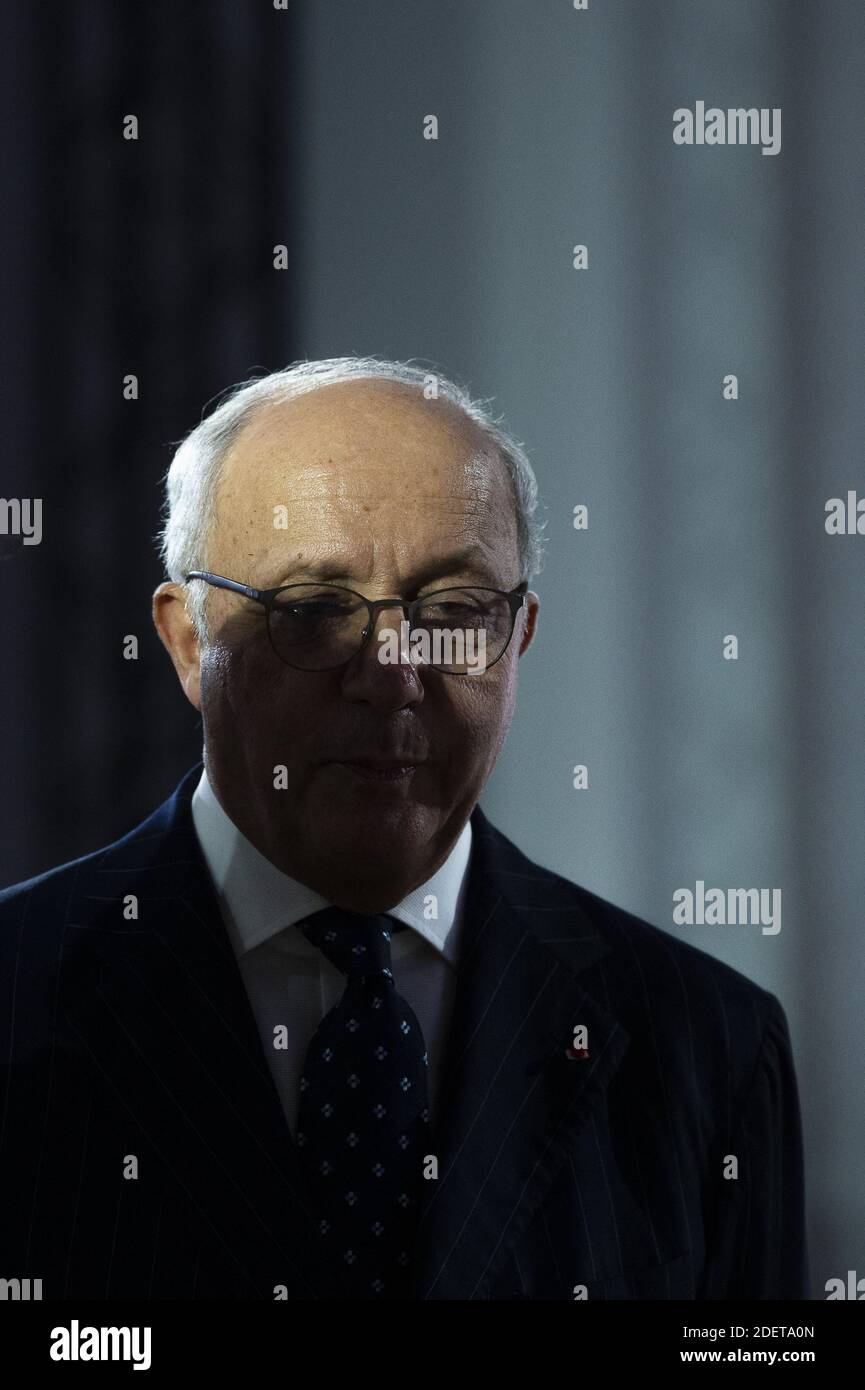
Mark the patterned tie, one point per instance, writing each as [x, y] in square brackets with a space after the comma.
[363, 1117]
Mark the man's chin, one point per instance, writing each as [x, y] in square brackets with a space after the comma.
[377, 832]
[384, 838]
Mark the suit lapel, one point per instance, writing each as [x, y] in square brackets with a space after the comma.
[160, 999]
[513, 1102]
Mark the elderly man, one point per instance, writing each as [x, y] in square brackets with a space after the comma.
[316, 1029]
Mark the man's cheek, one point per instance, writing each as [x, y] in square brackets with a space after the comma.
[263, 698]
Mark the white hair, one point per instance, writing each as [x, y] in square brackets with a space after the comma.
[192, 480]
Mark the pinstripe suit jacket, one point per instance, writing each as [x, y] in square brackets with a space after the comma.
[128, 1038]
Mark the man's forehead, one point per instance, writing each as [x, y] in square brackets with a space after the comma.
[372, 472]
[380, 425]
[375, 482]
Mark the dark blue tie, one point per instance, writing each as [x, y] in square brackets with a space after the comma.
[363, 1117]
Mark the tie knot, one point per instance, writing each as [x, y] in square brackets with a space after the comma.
[356, 944]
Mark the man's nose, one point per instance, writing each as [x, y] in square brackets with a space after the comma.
[391, 682]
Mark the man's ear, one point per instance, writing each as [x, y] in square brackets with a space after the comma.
[532, 605]
[177, 631]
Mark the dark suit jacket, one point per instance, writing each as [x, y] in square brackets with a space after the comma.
[122, 1037]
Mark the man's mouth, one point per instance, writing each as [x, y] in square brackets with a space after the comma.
[379, 769]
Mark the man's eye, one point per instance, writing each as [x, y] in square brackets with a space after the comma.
[448, 610]
[313, 609]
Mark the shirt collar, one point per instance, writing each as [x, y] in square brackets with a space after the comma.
[258, 900]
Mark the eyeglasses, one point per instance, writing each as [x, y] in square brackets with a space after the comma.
[320, 627]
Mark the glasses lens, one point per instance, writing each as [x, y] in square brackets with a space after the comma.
[461, 631]
[314, 627]
[318, 627]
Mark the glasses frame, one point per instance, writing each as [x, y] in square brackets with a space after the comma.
[266, 597]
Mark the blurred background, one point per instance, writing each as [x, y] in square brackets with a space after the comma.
[304, 127]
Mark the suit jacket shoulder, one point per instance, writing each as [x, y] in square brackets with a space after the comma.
[646, 975]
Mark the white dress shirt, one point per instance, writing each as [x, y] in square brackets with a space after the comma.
[289, 981]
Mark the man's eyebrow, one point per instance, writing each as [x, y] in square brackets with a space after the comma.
[333, 570]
